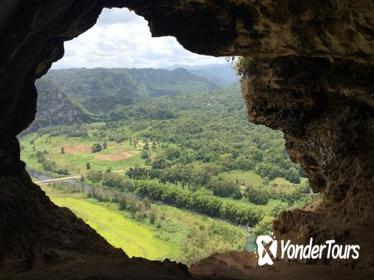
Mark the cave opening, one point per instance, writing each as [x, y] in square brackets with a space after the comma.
[307, 71]
[148, 143]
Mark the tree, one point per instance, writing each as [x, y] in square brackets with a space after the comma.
[95, 148]
[263, 227]
[146, 145]
[152, 217]
[293, 175]
[137, 173]
[48, 165]
[154, 146]
[160, 163]
[257, 196]
[172, 153]
[88, 166]
[95, 176]
[243, 163]
[224, 188]
[144, 154]
[135, 143]
[62, 171]
[112, 180]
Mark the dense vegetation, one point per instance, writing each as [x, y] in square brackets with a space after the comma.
[196, 152]
[200, 201]
[208, 129]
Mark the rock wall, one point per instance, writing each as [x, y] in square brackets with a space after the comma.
[308, 71]
[33, 231]
[325, 109]
[35, 234]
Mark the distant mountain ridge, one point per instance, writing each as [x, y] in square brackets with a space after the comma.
[73, 96]
[220, 74]
[99, 90]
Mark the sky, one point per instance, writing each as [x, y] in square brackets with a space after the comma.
[121, 39]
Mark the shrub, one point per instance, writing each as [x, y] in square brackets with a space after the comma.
[257, 196]
[224, 188]
[95, 148]
[63, 171]
[263, 227]
[112, 180]
[95, 176]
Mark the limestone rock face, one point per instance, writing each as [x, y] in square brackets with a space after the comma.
[325, 108]
[315, 28]
[308, 72]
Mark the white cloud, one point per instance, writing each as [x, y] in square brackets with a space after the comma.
[122, 39]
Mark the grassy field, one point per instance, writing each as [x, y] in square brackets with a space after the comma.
[120, 231]
[198, 236]
[176, 234]
[248, 178]
[77, 152]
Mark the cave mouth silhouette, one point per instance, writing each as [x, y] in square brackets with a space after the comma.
[77, 54]
[312, 81]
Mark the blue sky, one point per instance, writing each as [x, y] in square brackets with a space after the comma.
[122, 39]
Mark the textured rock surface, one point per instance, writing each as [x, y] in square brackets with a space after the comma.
[55, 107]
[309, 72]
[266, 28]
[325, 108]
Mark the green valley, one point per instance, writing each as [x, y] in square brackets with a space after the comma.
[177, 175]
[159, 232]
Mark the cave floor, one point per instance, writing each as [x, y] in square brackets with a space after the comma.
[232, 265]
